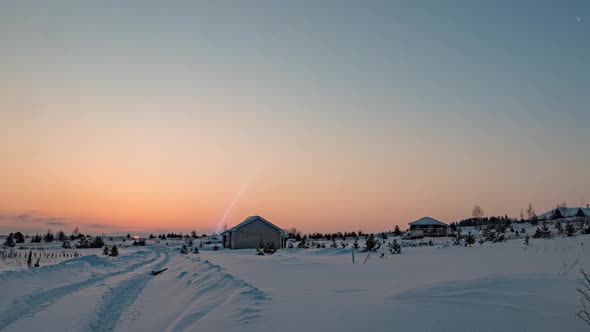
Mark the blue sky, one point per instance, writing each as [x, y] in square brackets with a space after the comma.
[469, 97]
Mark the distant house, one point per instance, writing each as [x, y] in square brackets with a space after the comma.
[251, 232]
[430, 227]
[560, 213]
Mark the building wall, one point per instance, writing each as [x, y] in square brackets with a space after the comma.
[432, 230]
[249, 236]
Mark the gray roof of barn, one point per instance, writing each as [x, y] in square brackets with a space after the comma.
[427, 221]
[249, 220]
[565, 212]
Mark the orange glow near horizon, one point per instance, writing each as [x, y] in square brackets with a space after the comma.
[117, 120]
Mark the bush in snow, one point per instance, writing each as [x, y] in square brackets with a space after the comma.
[481, 241]
[469, 239]
[85, 242]
[355, 244]
[542, 232]
[333, 244]
[184, 249]
[558, 227]
[303, 243]
[216, 247]
[457, 238]
[105, 251]
[114, 251]
[269, 248]
[570, 230]
[527, 239]
[397, 231]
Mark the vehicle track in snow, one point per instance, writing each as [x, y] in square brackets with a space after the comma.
[29, 305]
[118, 298]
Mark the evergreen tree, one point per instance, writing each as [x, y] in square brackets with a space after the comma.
[395, 247]
[542, 232]
[9, 242]
[19, 238]
[105, 251]
[370, 243]
[397, 231]
[469, 239]
[114, 251]
[184, 250]
[97, 242]
[49, 236]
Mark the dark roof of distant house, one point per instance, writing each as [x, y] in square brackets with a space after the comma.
[565, 212]
[249, 220]
[427, 221]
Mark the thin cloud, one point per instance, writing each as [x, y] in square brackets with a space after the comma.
[55, 223]
[98, 226]
[23, 217]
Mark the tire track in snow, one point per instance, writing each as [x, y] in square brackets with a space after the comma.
[31, 304]
[119, 298]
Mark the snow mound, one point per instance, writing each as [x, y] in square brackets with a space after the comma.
[201, 296]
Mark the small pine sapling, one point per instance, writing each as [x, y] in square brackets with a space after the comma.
[114, 251]
[469, 239]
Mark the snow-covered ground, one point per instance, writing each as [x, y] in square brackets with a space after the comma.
[495, 287]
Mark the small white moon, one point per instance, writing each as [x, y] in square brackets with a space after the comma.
[578, 18]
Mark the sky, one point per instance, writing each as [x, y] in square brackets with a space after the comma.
[151, 116]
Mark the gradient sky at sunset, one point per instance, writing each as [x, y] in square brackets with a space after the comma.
[120, 116]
